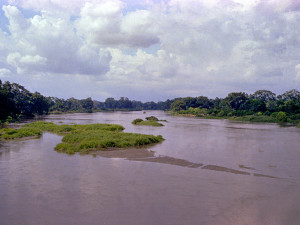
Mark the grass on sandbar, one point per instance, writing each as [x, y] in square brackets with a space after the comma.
[83, 138]
[153, 123]
[10, 133]
[83, 141]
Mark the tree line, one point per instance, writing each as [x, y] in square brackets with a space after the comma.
[16, 101]
[238, 104]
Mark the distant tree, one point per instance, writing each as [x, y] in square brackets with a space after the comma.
[178, 105]
[271, 105]
[7, 105]
[87, 104]
[110, 103]
[293, 95]
[264, 95]
[254, 105]
[236, 99]
[204, 102]
[40, 104]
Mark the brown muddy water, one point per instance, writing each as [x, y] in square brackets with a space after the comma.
[205, 172]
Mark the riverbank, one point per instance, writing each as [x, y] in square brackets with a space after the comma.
[247, 118]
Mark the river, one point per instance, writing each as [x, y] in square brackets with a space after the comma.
[205, 172]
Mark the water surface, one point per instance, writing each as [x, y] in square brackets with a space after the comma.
[41, 186]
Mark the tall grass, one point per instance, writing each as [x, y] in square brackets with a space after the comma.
[10, 133]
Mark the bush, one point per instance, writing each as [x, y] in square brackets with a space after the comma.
[150, 122]
[274, 114]
[9, 133]
[221, 113]
[281, 117]
[151, 118]
[137, 121]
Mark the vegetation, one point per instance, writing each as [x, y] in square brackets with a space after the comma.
[150, 121]
[262, 106]
[83, 138]
[151, 118]
[137, 121]
[9, 133]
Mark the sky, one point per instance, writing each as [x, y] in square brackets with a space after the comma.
[150, 50]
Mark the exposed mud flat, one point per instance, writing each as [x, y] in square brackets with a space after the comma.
[224, 169]
[145, 155]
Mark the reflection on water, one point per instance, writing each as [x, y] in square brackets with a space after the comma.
[205, 172]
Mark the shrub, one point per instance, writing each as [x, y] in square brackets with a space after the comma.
[137, 121]
[274, 114]
[153, 123]
[19, 133]
[230, 114]
[151, 118]
[221, 113]
[281, 117]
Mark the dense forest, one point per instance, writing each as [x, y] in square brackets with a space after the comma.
[262, 106]
[16, 101]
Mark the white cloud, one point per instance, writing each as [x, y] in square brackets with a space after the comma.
[4, 73]
[49, 44]
[104, 24]
[171, 48]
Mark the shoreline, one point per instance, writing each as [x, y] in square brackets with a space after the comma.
[241, 119]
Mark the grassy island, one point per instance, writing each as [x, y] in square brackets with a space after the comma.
[150, 121]
[82, 138]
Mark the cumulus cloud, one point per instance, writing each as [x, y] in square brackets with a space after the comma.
[4, 73]
[45, 43]
[105, 24]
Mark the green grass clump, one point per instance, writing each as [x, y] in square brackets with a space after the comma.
[299, 125]
[62, 129]
[99, 126]
[10, 133]
[151, 118]
[150, 122]
[136, 121]
[43, 126]
[83, 138]
[252, 118]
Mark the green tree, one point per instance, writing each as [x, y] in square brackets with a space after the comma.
[178, 105]
[264, 95]
[236, 99]
[87, 104]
